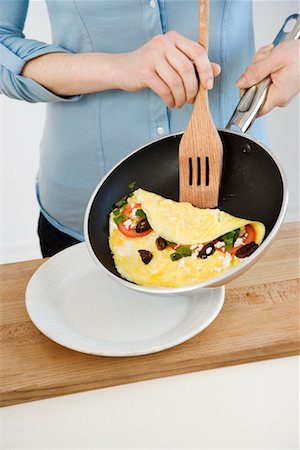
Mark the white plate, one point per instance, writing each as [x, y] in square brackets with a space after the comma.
[78, 306]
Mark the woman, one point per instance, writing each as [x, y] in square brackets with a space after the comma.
[120, 74]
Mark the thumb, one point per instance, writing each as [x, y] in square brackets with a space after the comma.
[257, 72]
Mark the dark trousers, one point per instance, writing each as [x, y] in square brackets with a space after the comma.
[51, 239]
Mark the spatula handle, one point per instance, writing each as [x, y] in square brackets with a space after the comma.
[201, 100]
[204, 24]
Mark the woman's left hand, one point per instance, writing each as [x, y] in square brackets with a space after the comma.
[282, 64]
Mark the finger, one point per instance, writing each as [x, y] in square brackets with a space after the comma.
[257, 72]
[262, 53]
[278, 95]
[172, 80]
[161, 89]
[216, 71]
[199, 57]
[186, 69]
[216, 68]
[271, 102]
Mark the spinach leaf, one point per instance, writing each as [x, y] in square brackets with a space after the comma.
[120, 218]
[132, 185]
[121, 202]
[181, 252]
[175, 256]
[184, 251]
[140, 213]
[230, 238]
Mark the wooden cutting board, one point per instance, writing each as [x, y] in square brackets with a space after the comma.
[259, 320]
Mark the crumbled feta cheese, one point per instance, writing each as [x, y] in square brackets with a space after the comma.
[220, 244]
[227, 260]
[127, 224]
[194, 255]
[238, 242]
[132, 205]
[200, 247]
[133, 212]
[181, 263]
[208, 250]
[193, 247]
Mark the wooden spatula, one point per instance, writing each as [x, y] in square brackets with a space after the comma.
[200, 149]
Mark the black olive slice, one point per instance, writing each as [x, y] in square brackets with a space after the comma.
[246, 250]
[146, 256]
[207, 250]
[161, 243]
[142, 225]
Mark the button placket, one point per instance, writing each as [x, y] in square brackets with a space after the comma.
[159, 124]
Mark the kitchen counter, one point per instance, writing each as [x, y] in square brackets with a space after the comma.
[245, 406]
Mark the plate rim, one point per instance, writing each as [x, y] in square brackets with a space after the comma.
[30, 304]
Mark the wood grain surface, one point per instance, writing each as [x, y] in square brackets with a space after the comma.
[259, 320]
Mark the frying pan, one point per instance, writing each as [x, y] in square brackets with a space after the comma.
[252, 185]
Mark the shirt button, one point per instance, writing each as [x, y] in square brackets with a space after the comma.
[160, 130]
[152, 3]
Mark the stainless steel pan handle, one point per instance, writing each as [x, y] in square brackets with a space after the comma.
[254, 97]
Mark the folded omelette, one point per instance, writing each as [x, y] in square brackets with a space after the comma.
[159, 242]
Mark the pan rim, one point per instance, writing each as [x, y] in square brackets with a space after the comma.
[219, 280]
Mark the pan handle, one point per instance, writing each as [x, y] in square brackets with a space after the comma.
[254, 97]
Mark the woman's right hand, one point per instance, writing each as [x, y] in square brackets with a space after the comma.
[170, 65]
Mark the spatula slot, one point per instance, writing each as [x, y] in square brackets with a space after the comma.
[207, 171]
[190, 171]
[198, 171]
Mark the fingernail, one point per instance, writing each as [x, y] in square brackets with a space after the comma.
[209, 84]
[241, 81]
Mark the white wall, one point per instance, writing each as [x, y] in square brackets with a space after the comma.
[22, 125]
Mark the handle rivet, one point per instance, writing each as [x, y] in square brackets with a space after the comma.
[246, 148]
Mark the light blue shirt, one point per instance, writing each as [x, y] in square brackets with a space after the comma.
[84, 136]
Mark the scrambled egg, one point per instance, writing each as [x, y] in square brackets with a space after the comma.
[180, 223]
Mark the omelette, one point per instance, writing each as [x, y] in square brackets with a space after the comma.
[158, 242]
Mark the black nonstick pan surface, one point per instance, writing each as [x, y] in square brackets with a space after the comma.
[252, 185]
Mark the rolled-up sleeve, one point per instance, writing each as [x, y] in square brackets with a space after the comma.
[15, 50]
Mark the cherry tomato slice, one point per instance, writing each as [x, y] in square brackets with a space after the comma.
[127, 210]
[251, 235]
[131, 232]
